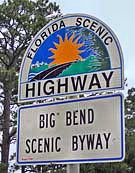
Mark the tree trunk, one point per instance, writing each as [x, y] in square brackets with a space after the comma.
[6, 126]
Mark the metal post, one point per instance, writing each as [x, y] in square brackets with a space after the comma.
[73, 168]
[23, 169]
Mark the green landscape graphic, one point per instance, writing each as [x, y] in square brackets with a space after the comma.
[74, 50]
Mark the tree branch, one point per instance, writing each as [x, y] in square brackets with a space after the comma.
[12, 133]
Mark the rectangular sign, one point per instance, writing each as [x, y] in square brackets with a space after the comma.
[75, 131]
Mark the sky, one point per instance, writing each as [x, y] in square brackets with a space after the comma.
[119, 16]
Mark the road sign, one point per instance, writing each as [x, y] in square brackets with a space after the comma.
[82, 130]
[73, 54]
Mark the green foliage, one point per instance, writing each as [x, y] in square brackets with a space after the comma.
[130, 150]
[104, 168]
[130, 102]
[2, 167]
[20, 20]
[130, 124]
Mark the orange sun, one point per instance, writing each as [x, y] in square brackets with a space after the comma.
[66, 51]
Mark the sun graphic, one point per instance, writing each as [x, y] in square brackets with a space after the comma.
[66, 50]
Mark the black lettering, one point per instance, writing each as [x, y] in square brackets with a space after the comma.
[62, 24]
[93, 26]
[74, 143]
[82, 140]
[32, 89]
[100, 31]
[104, 35]
[46, 144]
[79, 82]
[65, 85]
[96, 83]
[52, 120]
[49, 31]
[99, 142]
[55, 27]
[40, 141]
[44, 35]
[58, 149]
[75, 117]
[108, 40]
[39, 86]
[86, 22]
[68, 118]
[46, 120]
[107, 138]
[51, 88]
[41, 121]
[78, 21]
[83, 116]
[29, 55]
[32, 146]
[52, 142]
[28, 147]
[107, 78]
[90, 141]
[90, 116]
[38, 42]
[34, 50]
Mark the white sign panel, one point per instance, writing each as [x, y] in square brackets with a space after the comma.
[83, 130]
[75, 53]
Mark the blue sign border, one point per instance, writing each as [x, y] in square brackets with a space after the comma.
[99, 160]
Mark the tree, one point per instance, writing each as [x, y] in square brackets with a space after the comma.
[19, 22]
[130, 129]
